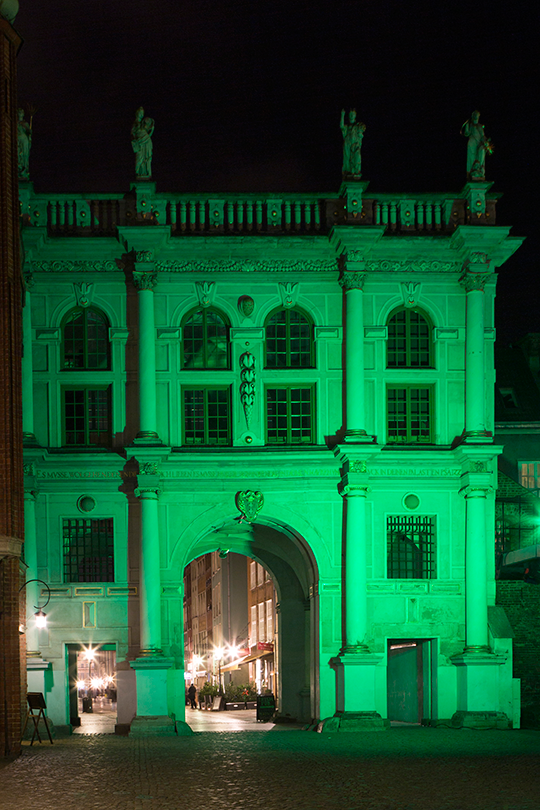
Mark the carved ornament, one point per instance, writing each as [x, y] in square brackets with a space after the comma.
[144, 281]
[29, 468]
[474, 281]
[410, 290]
[246, 305]
[232, 266]
[149, 468]
[74, 267]
[84, 292]
[412, 266]
[289, 293]
[247, 385]
[205, 292]
[249, 503]
[357, 466]
[144, 256]
[29, 280]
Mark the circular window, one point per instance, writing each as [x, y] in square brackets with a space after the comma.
[86, 503]
[411, 501]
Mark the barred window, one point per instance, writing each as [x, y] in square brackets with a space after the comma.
[88, 550]
[409, 415]
[87, 416]
[205, 340]
[411, 547]
[290, 415]
[409, 340]
[207, 416]
[289, 340]
[85, 340]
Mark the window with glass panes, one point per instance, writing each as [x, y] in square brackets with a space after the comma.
[87, 416]
[85, 336]
[529, 474]
[409, 340]
[205, 340]
[290, 415]
[88, 549]
[206, 415]
[289, 340]
[409, 415]
[411, 551]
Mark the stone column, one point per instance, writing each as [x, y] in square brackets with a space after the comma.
[149, 567]
[144, 279]
[355, 579]
[352, 283]
[473, 281]
[27, 367]
[476, 611]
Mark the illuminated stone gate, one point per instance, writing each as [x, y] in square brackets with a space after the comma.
[332, 352]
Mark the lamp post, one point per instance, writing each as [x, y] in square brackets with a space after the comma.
[218, 655]
[40, 616]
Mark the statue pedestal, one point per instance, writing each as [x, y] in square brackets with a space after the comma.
[351, 191]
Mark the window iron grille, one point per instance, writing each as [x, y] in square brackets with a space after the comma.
[411, 551]
[88, 550]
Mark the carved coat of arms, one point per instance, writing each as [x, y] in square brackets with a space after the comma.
[249, 503]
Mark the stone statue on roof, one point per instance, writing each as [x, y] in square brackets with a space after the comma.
[353, 135]
[477, 148]
[141, 141]
[24, 142]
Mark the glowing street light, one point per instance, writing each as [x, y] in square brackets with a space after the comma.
[40, 617]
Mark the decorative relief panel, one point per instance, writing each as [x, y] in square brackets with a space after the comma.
[247, 384]
[239, 266]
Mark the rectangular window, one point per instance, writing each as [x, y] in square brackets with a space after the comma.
[252, 575]
[529, 474]
[88, 550]
[207, 416]
[269, 620]
[87, 416]
[410, 415]
[411, 547]
[262, 622]
[290, 415]
[253, 624]
[260, 574]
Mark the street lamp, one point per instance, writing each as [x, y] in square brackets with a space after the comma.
[39, 616]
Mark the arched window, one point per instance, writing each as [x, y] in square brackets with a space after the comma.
[205, 340]
[289, 340]
[409, 340]
[85, 340]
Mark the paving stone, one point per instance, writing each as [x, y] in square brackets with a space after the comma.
[401, 769]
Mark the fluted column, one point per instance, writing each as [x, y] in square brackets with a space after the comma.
[27, 366]
[149, 571]
[145, 280]
[355, 603]
[473, 281]
[476, 604]
[352, 283]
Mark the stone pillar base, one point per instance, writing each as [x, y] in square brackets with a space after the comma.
[353, 721]
[153, 726]
[480, 720]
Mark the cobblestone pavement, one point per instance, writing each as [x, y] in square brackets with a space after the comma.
[399, 769]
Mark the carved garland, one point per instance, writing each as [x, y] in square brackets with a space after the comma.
[247, 385]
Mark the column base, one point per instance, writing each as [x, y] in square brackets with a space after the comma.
[353, 721]
[481, 720]
[358, 436]
[153, 726]
[477, 437]
[147, 438]
[29, 440]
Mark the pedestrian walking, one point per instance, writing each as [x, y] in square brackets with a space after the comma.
[191, 695]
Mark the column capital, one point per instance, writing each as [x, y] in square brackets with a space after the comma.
[475, 281]
[348, 488]
[476, 491]
[147, 493]
[144, 279]
[352, 280]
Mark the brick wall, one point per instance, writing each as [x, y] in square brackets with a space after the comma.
[521, 602]
[12, 676]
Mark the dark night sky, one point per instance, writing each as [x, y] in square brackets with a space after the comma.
[247, 96]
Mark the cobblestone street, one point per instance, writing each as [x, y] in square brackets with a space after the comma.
[401, 769]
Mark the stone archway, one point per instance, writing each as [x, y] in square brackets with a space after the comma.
[292, 566]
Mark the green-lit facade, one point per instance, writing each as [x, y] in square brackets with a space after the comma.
[304, 379]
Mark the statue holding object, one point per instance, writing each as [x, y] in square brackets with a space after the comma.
[24, 142]
[477, 148]
[353, 135]
[141, 141]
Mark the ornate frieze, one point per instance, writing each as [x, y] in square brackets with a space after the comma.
[246, 266]
[412, 266]
[73, 267]
[247, 384]
[249, 503]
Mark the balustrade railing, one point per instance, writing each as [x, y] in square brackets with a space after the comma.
[199, 214]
